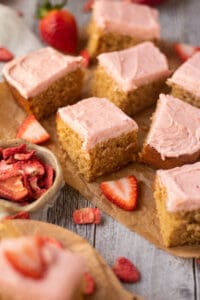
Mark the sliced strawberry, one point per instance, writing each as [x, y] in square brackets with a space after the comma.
[7, 152]
[31, 130]
[86, 57]
[49, 176]
[36, 190]
[26, 258]
[32, 167]
[12, 188]
[123, 192]
[185, 51]
[5, 55]
[125, 270]
[24, 156]
[19, 215]
[51, 241]
[1, 153]
[88, 284]
[4, 167]
[198, 261]
[87, 215]
[87, 7]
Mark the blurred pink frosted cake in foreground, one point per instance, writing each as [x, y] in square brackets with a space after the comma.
[44, 80]
[116, 25]
[38, 268]
[133, 78]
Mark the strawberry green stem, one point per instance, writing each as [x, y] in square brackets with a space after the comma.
[47, 6]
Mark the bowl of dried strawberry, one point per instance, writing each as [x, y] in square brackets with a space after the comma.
[30, 176]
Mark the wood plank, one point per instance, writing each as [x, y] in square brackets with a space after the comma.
[161, 274]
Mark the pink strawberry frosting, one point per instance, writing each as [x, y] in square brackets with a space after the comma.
[136, 66]
[33, 73]
[187, 75]
[96, 120]
[182, 186]
[175, 129]
[125, 18]
[60, 281]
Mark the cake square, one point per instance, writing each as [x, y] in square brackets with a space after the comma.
[173, 139]
[177, 196]
[132, 78]
[35, 269]
[185, 82]
[116, 25]
[98, 137]
[44, 80]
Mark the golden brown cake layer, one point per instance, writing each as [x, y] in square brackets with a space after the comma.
[105, 157]
[101, 41]
[150, 156]
[176, 228]
[130, 102]
[178, 92]
[63, 91]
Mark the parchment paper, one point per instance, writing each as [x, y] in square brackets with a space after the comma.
[143, 220]
[107, 285]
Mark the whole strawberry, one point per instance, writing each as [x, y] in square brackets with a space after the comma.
[58, 27]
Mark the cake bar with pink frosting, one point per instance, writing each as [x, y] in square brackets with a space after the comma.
[34, 268]
[177, 195]
[98, 137]
[116, 25]
[44, 80]
[185, 82]
[131, 78]
[174, 136]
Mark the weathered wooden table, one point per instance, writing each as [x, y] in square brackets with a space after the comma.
[164, 277]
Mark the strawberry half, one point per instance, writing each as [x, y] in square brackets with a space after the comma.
[58, 27]
[185, 51]
[87, 215]
[125, 270]
[123, 192]
[26, 258]
[5, 55]
[32, 131]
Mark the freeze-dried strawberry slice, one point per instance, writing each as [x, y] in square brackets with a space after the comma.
[5, 55]
[19, 215]
[88, 284]
[86, 56]
[185, 51]
[48, 180]
[87, 215]
[125, 270]
[88, 6]
[24, 156]
[7, 152]
[12, 188]
[26, 258]
[32, 167]
[36, 190]
[32, 131]
[4, 167]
